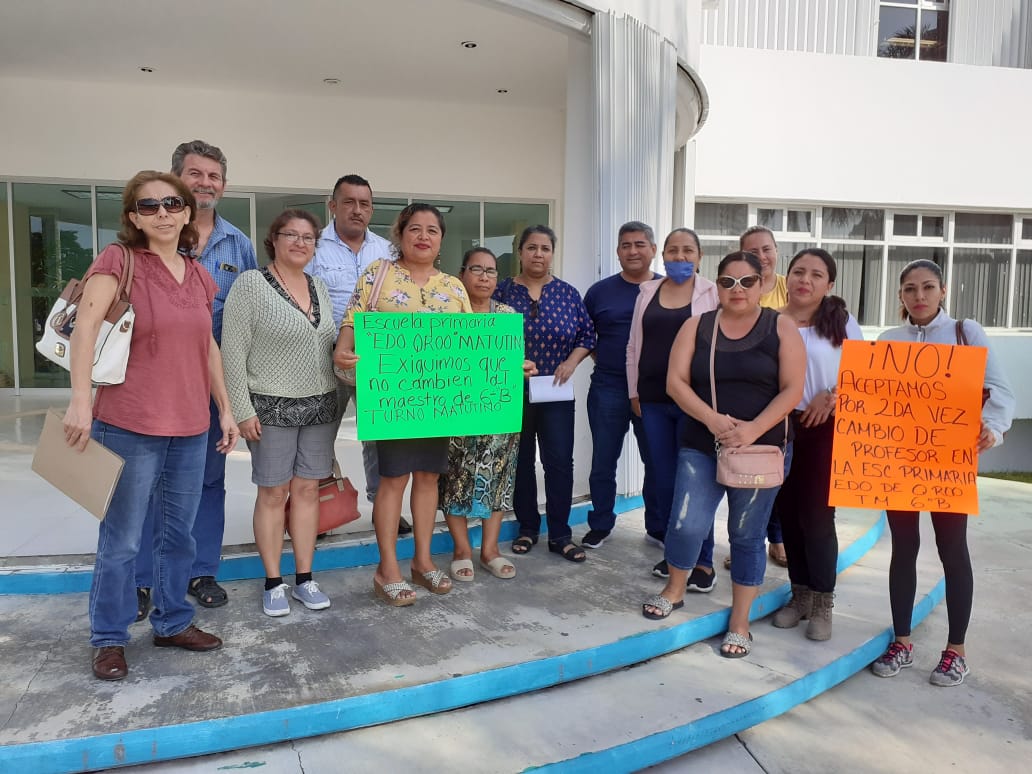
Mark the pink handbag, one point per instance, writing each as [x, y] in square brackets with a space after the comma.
[758, 466]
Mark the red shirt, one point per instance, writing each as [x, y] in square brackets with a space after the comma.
[167, 386]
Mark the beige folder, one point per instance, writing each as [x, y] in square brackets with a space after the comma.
[89, 477]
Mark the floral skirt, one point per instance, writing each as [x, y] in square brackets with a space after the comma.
[481, 475]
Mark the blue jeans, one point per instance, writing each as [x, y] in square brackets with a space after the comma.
[548, 427]
[662, 423]
[210, 523]
[166, 473]
[609, 414]
[696, 497]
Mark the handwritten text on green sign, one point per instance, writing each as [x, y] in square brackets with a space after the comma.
[423, 375]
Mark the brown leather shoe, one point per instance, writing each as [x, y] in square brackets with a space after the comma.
[190, 638]
[109, 663]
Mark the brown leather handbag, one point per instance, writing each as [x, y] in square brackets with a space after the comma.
[963, 342]
[338, 502]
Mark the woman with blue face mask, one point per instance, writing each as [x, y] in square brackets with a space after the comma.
[662, 307]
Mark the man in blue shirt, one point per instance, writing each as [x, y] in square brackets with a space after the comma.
[346, 248]
[226, 252]
[610, 303]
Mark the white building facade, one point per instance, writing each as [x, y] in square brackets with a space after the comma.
[505, 113]
[883, 132]
[508, 113]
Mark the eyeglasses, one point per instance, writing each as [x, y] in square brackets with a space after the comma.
[490, 271]
[535, 309]
[293, 236]
[746, 282]
[172, 205]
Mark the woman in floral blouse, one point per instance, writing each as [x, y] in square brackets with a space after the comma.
[411, 284]
[558, 335]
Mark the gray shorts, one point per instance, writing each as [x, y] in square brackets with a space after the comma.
[286, 452]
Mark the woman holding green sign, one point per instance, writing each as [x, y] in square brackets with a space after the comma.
[409, 283]
[481, 468]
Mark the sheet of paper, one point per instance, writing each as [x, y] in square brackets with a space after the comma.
[542, 390]
[88, 477]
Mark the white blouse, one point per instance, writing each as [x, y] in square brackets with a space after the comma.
[822, 360]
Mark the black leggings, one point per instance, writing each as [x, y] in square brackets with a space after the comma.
[951, 540]
[807, 521]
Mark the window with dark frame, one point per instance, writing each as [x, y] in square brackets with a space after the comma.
[913, 29]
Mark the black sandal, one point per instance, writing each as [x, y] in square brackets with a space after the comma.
[567, 549]
[523, 544]
[142, 603]
[207, 591]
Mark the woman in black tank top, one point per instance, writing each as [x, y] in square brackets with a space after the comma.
[759, 369]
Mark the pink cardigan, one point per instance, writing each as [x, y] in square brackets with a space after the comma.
[704, 299]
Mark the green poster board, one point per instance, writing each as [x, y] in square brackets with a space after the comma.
[424, 375]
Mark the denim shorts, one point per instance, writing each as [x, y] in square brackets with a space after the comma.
[284, 453]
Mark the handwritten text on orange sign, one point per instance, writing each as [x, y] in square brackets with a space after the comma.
[907, 421]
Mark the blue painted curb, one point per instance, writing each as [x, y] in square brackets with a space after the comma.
[666, 745]
[249, 566]
[232, 733]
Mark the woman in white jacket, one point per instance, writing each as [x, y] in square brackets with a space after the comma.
[922, 293]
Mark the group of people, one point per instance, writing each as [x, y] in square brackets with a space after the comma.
[223, 349]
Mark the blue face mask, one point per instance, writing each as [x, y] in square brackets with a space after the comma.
[679, 271]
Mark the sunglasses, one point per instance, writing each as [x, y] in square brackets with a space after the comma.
[172, 205]
[535, 309]
[745, 282]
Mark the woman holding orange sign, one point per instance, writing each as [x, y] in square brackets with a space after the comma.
[922, 294]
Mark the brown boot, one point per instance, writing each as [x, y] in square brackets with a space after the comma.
[819, 627]
[797, 609]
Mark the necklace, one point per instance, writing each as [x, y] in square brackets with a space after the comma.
[306, 311]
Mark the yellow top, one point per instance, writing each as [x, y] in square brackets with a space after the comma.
[398, 293]
[777, 297]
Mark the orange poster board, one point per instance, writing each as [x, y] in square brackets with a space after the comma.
[907, 421]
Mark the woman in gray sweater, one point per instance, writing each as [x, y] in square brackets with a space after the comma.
[277, 348]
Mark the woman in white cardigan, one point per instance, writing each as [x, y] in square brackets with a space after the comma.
[662, 307]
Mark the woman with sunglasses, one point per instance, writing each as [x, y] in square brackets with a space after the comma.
[277, 346]
[481, 469]
[759, 369]
[801, 507]
[922, 295]
[558, 334]
[156, 420]
[410, 283]
[662, 307]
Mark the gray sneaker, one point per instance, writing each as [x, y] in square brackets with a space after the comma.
[951, 670]
[309, 595]
[897, 657]
[274, 601]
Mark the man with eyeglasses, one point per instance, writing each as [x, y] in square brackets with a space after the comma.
[610, 303]
[346, 247]
[226, 252]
